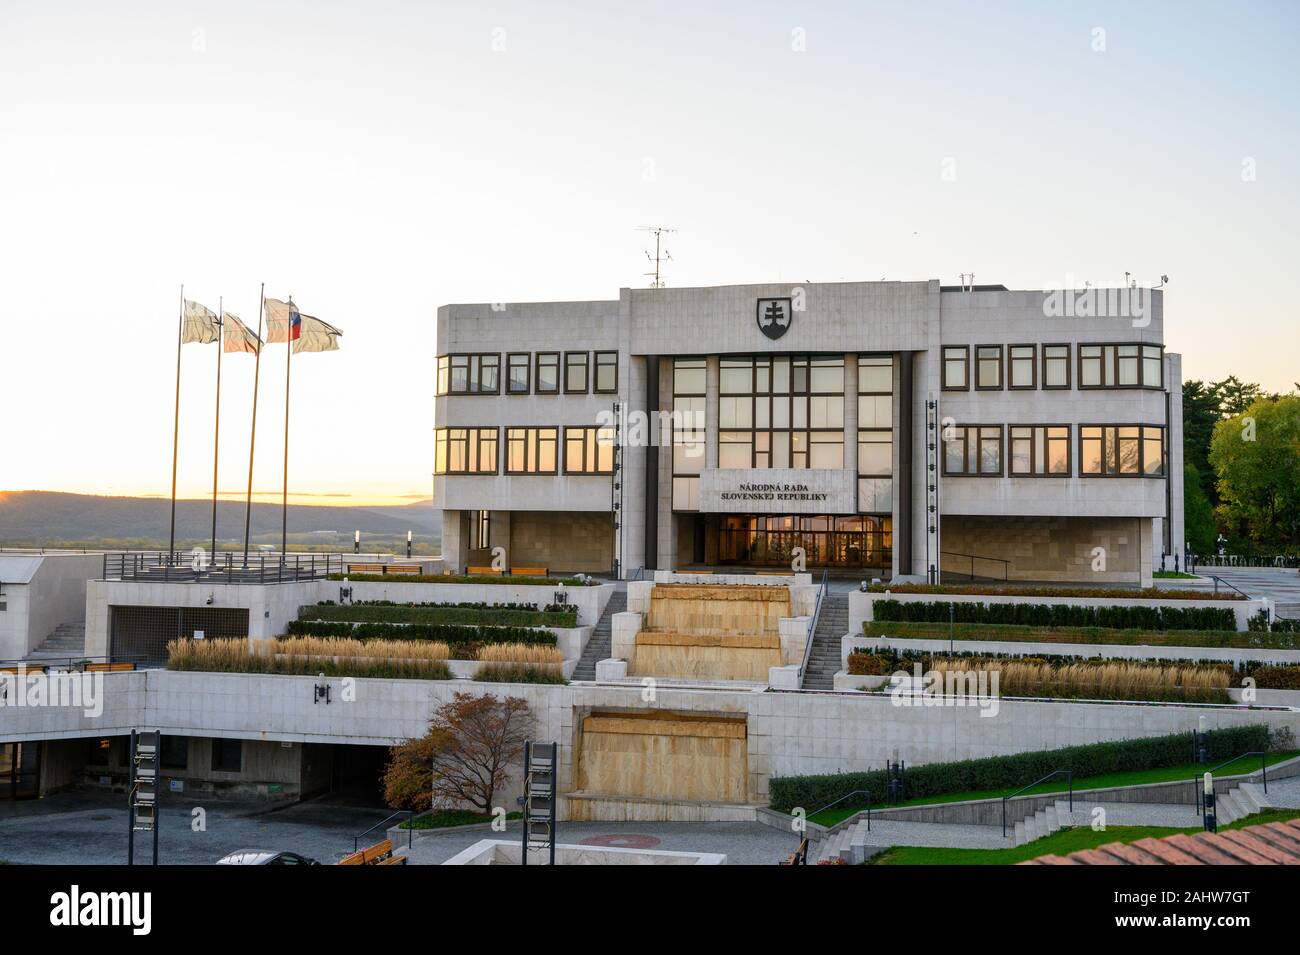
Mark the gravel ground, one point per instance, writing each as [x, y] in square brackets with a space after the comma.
[91, 829]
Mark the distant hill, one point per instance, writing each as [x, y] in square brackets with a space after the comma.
[48, 518]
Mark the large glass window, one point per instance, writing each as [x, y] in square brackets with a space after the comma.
[469, 374]
[1121, 366]
[1042, 450]
[688, 438]
[588, 450]
[973, 451]
[531, 450]
[465, 451]
[838, 541]
[1121, 450]
[875, 432]
[781, 412]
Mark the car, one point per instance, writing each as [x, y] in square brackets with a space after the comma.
[264, 857]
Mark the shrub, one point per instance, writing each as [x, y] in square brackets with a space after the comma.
[1099, 635]
[866, 663]
[1259, 623]
[465, 579]
[432, 614]
[986, 590]
[518, 663]
[1020, 769]
[234, 656]
[445, 633]
[1271, 677]
[1057, 615]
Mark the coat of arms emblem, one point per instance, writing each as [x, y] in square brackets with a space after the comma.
[774, 316]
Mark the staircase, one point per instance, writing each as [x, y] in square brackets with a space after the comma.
[601, 642]
[67, 640]
[824, 660]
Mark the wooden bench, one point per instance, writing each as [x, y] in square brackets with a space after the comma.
[528, 572]
[393, 860]
[381, 853]
[16, 670]
[773, 573]
[403, 569]
[109, 667]
[365, 568]
[483, 571]
[692, 571]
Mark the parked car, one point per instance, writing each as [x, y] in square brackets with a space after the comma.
[265, 857]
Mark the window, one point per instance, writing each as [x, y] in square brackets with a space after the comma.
[175, 752]
[518, 366]
[606, 382]
[227, 755]
[469, 374]
[782, 412]
[531, 450]
[588, 450]
[875, 433]
[1122, 450]
[1121, 366]
[956, 368]
[875, 452]
[1022, 370]
[1039, 450]
[1056, 366]
[465, 451]
[688, 423]
[988, 367]
[973, 451]
[480, 530]
[575, 372]
[548, 372]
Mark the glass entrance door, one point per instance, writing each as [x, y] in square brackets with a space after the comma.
[20, 776]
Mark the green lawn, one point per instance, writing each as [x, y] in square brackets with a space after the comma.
[1163, 775]
[1059, 843]
[1172, 575]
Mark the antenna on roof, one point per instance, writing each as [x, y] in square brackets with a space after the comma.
[967, 281]
[661, 253]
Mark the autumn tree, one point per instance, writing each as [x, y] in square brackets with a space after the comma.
[1257, 457]
[465, 757]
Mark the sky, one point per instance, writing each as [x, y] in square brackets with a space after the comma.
[375, 160]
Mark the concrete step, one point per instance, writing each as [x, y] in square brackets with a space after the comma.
[1253, 795]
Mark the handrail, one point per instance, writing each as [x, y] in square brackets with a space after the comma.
[1069, 780]
[812, 628]
[1219, 580]
[835, 802]
[1006, 564]
[1196, 780]
[410, 832]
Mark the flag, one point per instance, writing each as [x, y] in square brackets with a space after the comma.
[283, 323]
[316, 336]
[238, 336]
[201, 324]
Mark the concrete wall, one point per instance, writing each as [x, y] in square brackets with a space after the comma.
[1056, 549]
[55, 594]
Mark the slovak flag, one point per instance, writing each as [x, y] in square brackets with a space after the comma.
[283, 323]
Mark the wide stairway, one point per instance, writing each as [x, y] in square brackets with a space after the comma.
[67, 640]
[824, 661]
[600, 645]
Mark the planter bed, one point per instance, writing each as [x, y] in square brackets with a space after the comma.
[400, 613]
[982, 590]
[464, 579]
[1238, 639]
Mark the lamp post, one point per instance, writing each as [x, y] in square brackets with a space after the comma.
[1211, 816]
[408, 545]
[356, 542]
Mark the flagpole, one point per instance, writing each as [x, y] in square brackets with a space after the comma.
[216, 428]
[252, 433]
[176, 426]
[284, 499]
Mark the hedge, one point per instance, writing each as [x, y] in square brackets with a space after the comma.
[464, 579]
[1098, 635]
[984, 590]
[1057, 615]
[1011, 772]
[450, 633]
[397, 613]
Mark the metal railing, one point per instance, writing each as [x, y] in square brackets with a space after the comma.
[1198, 780]
[1005, 568]
[1219, 580]
[410, 832]
[866, 805]
[812, 627]
[1287, 561]
[1069, 781]
[222, 568]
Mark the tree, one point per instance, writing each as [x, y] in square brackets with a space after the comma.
[1235, 395]
[1257, 457]
[1201, 413]
[465, 757]
[1198, 516]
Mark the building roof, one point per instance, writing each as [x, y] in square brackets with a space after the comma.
[19, 568]
[1274, 843]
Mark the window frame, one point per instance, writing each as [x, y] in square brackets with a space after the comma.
[1110, 362]
[530, 449]
[528, 372]
[1141, 447]
[943, 368]
[473, 373]
[967, 452]
[1002, 369]
[1033, 367]
[586, 373]
[1069, 380]
[595, 373]
[473, 449]
[1033, 451]
[216, 748]
[590, 434]
[537, 372]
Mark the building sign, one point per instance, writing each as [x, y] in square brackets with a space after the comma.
[774, 316]
[777, 491]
